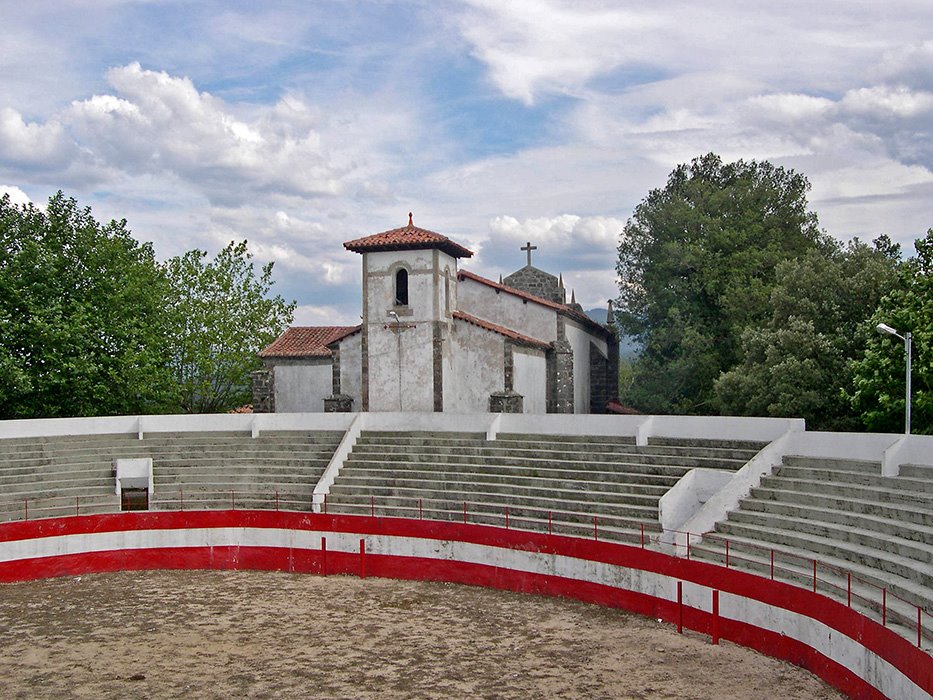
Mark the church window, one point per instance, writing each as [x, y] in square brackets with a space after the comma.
[447, 291]
[401, 288]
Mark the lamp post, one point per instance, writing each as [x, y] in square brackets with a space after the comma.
[907, 338]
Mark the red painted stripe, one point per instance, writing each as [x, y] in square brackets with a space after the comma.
[912, 661]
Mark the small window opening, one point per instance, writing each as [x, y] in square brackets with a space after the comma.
[401, 288]
[447, 291]
[134, 499]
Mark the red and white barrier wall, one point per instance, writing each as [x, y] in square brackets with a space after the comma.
[848, 650]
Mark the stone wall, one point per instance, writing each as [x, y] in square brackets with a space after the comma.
[263, 390]
[538, 282]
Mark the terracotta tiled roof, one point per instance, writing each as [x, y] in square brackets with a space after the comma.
[614, 406]
[406, 238]
[501, 330]
[564, 309]
[307, 341]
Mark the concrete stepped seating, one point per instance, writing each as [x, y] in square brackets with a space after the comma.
[208, 470]
[847, 517]
[571, 478]
[51, 472]
[61, 505]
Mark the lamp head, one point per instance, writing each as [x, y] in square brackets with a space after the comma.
[885, 328]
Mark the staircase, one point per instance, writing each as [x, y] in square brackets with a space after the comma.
[576, 485]
[847, 517]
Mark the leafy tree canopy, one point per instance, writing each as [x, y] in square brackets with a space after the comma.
[696, 267]
[81, 324]
[222, 315]
[878, 385]
[798, 363]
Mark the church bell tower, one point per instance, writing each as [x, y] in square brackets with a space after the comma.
[409, 294]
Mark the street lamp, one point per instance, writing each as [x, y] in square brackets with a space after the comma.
[907, 338]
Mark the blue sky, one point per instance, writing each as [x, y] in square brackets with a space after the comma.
[299, 125]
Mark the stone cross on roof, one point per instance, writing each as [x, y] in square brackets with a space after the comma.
[528, 248]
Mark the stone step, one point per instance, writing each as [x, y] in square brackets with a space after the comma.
[870, 521]
[537, 456]
[432, 471]
[917, 471]
[848, 492]
[212, 499]
[545, 503]
[901, 512]
[848, 465]
[494, 514]
[580, 439]
[60, 508]
[797, 568]
[95, 456]
[753, 446]
[599, 444]
[921, 551]
[245, 479]
[818, 546]
[528, 490]
[856, 478]
[211, 462]
[649, 469]
[63, 501]
[57, 486]
[53, 472]
[567, 479]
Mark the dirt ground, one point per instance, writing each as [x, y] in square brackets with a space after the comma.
[268, 635]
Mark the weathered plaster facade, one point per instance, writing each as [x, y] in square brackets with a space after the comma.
[437, 338]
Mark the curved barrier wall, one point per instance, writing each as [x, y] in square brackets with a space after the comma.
[848, 650]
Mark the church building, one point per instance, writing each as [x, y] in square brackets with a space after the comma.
[435, 337]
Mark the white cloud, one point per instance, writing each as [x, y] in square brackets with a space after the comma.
[324, 315]
[563, 232]
[534, 46]
[32, 144]
[17, 196]
[883, 100]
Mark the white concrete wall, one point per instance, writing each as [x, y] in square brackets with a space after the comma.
[478, 368]
[685, 498]
[530, 378]
[255, 423]
[301, 388]
[525, 317]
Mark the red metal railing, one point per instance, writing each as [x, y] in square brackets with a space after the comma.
[876, 601]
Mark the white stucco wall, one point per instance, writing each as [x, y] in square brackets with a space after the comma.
[530, 378]
[526, 317]
[478, 368]
[579, 340]
[401, 354]
[301, 388]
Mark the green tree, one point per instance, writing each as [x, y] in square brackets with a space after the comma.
[82, 329]
[877, 391]
[696, 267]
[222, 315]
[799, 363]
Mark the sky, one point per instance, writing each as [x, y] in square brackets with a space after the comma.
[300, 125]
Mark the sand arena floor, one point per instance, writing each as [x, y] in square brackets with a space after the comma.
[220, 634]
